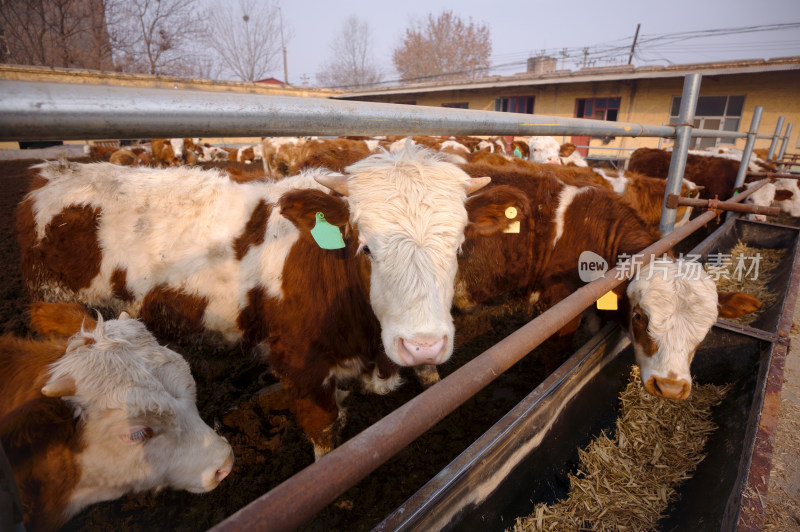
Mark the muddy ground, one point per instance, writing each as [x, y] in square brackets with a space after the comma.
[268, 445]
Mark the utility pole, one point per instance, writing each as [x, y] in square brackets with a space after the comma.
[283, 45]
[635, 37]
[563, 59]
[585, 55]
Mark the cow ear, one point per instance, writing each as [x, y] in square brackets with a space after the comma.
[301, 207]
[782, 194]
[496, 210]
[60, 319]
[60, 387]
[735, 304]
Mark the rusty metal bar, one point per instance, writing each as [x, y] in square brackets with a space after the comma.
[297, 499]
[673, 200]
[751, 331]
[781, 175]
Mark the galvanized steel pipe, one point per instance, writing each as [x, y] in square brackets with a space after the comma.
[785, 142]
[748, 146]
[683, 136]
[775, 137]
[53, 111]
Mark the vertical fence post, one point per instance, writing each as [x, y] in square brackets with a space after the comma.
[748, 151]
[775, 137]
[683, 136]
[785, 142]
[748, 146]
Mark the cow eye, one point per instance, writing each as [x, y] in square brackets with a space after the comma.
[365, 250]
[140, 435]
[637, 316]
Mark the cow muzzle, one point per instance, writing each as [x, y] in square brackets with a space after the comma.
[422, 350]
[667, 388]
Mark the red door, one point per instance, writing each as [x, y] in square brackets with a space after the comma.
[581, 141]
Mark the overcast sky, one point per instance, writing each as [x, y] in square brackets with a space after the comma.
[520, 29]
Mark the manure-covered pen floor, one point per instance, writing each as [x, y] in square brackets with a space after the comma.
[269, 447]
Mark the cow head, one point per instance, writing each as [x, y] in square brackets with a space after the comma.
[177, 150]
[787, 196]
[544, 150]
[495, 259]
[136, 402]
[408, 209]
[672, 306]
[282, 156]
[764, 196]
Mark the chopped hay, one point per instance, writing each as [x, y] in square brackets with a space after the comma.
[729, 282]
[625, 482]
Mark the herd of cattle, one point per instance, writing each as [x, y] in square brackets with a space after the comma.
[335, 259]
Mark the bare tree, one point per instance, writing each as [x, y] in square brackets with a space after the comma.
[351, 62]
[247, 38]
[154, 36]
[445, 48]
[62, 33]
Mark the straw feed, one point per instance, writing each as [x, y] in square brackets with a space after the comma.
[626, 481]
[731, 280]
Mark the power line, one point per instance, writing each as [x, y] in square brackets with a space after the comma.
[616, 51]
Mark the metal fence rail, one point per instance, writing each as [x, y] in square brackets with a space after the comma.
[50, 111]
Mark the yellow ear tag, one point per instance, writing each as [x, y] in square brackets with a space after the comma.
[608, 301]
[513, 227]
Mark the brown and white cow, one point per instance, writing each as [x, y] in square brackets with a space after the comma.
[96, 410]
[334, 154]
[716, 174]
[646, 195]
[547, 150]
[666, 314]
[241, 259]
[281, 156]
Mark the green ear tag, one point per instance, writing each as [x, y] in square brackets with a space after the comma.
[326, 235]
[517, 152]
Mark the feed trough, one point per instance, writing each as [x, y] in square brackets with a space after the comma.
[525, 458]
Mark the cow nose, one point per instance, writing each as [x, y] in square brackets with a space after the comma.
[669, 388]
[422, 350]
[552, 159]
[225, 470]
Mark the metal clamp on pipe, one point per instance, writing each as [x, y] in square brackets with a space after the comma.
[673, 200]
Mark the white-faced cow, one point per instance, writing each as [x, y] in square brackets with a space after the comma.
[556, 223]
[193, 246]
[96, 410]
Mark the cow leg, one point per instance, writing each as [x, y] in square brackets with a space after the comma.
[317, 414]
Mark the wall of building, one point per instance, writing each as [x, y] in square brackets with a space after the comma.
[644, 101]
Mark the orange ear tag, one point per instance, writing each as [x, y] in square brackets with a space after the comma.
[608, 301]
[513, 227]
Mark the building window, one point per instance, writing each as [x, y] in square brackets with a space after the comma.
[514, 104]
[597, 108]
[457, 105]
[407, 102]
[723, 113]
